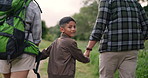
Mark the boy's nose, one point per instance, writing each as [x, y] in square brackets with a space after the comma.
[73, 28]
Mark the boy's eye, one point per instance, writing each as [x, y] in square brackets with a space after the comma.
[69, 27]
[74, 26]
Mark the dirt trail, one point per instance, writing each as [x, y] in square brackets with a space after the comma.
[31, 72]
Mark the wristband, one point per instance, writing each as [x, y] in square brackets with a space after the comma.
[89, 49]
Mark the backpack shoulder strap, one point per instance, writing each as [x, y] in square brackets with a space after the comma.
[37, 65]
[38, 6]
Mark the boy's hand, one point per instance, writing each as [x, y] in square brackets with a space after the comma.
[88, 59]
[44, 50]
[43, 54]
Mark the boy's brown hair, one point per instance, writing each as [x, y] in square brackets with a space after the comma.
[65, 20]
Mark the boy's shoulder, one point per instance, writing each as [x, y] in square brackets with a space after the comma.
[68, 41]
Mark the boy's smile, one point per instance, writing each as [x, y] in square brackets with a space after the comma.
[69, 29]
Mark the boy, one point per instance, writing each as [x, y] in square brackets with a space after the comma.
[63, 52]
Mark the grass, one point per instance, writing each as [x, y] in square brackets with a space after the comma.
[90, 70]
[142, 67]
[44, 44]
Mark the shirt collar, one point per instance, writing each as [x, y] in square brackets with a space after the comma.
[63, 35]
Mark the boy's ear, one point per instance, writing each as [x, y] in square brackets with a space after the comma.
[62, 29]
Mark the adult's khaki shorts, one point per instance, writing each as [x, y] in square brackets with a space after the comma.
[22, 63]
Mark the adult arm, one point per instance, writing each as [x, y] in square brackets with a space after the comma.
[144, 22]
[102, 21]
[36, 25]
[33, 23]
[90, 45]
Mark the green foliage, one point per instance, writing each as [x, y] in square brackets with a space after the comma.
[44, 44]
[88, 2]
[44, 30]
[1, 76]
[142, 66]
[51, 33]
[54, 32]
[43, 69]
[85, 21]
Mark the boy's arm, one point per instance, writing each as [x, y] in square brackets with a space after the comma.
[77, 53]
[45, 53]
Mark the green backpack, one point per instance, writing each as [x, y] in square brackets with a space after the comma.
[12, 26]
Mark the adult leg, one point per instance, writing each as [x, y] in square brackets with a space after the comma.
[20, 74]
[7, 75]
[5, 68]
[108, 64]
[22, 65]
[128, 67]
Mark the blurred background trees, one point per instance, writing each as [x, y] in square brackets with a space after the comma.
[85, 21]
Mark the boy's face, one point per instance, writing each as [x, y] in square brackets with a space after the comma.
[69, 29]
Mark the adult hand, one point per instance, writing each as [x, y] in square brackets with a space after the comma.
[89, 48]
[43, 50]
[87, 53]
